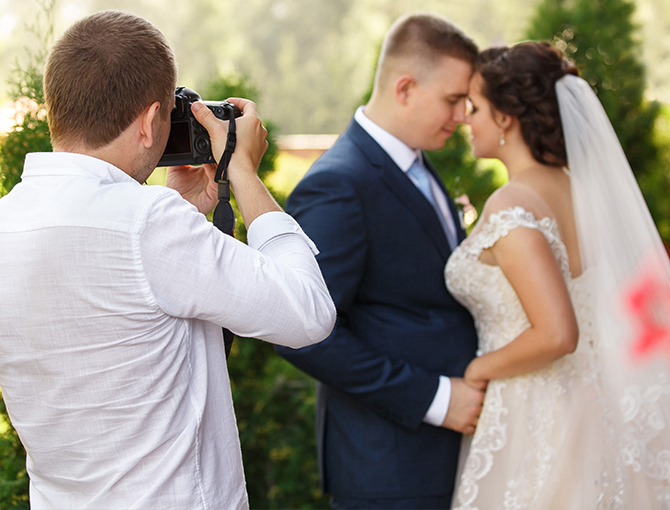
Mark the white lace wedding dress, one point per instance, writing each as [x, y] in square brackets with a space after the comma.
[543, 440]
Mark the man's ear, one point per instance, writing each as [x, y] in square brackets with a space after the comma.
[403, 87]
[149, 124]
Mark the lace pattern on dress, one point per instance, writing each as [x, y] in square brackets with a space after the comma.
[469, 280]
[500, 224]
[518, 465]
[500, 318]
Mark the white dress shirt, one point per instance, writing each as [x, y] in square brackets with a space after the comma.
[112, 363]
[403, 156]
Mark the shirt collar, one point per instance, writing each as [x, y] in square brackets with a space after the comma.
[69, 163]
[401, 154]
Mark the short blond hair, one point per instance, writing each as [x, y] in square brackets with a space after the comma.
[102, 73]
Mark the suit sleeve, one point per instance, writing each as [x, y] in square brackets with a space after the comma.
[329, 210]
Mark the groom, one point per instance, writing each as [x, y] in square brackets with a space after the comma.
[391, 402]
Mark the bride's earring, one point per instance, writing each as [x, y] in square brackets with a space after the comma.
[502, 138]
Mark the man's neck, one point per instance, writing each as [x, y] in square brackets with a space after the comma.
[385, 116]
[115, 153]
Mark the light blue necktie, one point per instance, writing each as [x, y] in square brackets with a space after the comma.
[422, 180]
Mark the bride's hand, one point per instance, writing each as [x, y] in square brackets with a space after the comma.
[465, 405]
[472, 378]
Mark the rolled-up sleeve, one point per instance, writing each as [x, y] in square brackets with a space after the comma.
[271, 289]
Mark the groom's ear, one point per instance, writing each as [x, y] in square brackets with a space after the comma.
[403, 87]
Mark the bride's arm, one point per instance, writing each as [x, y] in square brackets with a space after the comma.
[527, 261]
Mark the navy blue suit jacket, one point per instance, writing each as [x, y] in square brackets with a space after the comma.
[382, 254]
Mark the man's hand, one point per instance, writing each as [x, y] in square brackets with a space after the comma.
[464, 407]
[252, 197]
[196, 184]
[251, 137]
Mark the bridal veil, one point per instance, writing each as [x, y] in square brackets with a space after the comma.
[629, 285]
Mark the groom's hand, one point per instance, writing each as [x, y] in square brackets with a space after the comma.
[464, 407]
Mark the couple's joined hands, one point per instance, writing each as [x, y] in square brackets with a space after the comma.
[196, 183]
[467, 398]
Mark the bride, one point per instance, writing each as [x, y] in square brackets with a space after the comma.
[570, 419]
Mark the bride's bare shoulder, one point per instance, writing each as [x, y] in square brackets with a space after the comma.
[513, 195]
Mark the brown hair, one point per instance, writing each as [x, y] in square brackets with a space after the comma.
[426, 36]
[521, 81]
[102, 73]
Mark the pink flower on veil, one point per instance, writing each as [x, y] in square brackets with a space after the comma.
[648, 302]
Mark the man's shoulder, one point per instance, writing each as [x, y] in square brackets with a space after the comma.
[122, 205]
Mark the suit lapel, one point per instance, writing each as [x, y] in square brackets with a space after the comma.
[410, 196]
[402, 187]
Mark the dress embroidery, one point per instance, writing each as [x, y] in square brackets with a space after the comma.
[524, 423]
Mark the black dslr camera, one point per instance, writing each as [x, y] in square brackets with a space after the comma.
[189, 142]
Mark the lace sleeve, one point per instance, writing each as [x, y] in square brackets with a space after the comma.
[500, 223]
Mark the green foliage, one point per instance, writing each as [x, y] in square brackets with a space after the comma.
[32, 134]
[601, 38]
[656, 184]
[27, 81]
[274, 401]
[221, 88]
[274, 405]
[235, 85]
[13, 475]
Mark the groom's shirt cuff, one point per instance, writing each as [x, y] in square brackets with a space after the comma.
[437, 411]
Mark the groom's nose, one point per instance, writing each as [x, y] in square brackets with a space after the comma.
[459, 111]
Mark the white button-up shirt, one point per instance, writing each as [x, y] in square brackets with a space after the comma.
[112, 366]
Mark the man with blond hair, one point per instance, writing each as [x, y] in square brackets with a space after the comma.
[114, 294]
[391, 401]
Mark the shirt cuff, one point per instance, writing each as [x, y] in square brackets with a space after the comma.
[275, 224]
[437, 412]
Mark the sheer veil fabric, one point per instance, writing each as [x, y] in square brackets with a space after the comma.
[619, 246]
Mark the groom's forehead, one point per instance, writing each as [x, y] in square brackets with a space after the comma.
[452, 76]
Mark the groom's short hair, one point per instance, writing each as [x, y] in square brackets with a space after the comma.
[424, 38]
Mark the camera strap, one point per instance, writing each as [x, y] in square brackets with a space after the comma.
[221, 176]
[224, 216]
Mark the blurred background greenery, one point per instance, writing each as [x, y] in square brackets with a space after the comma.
[313, 59]
[309, 64]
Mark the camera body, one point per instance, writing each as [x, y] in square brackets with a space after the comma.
[189, 142]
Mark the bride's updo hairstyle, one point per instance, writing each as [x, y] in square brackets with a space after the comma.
[520, 81]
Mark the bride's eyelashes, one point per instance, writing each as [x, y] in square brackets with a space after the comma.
[470, 108]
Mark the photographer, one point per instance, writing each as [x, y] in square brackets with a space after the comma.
[114, 294]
